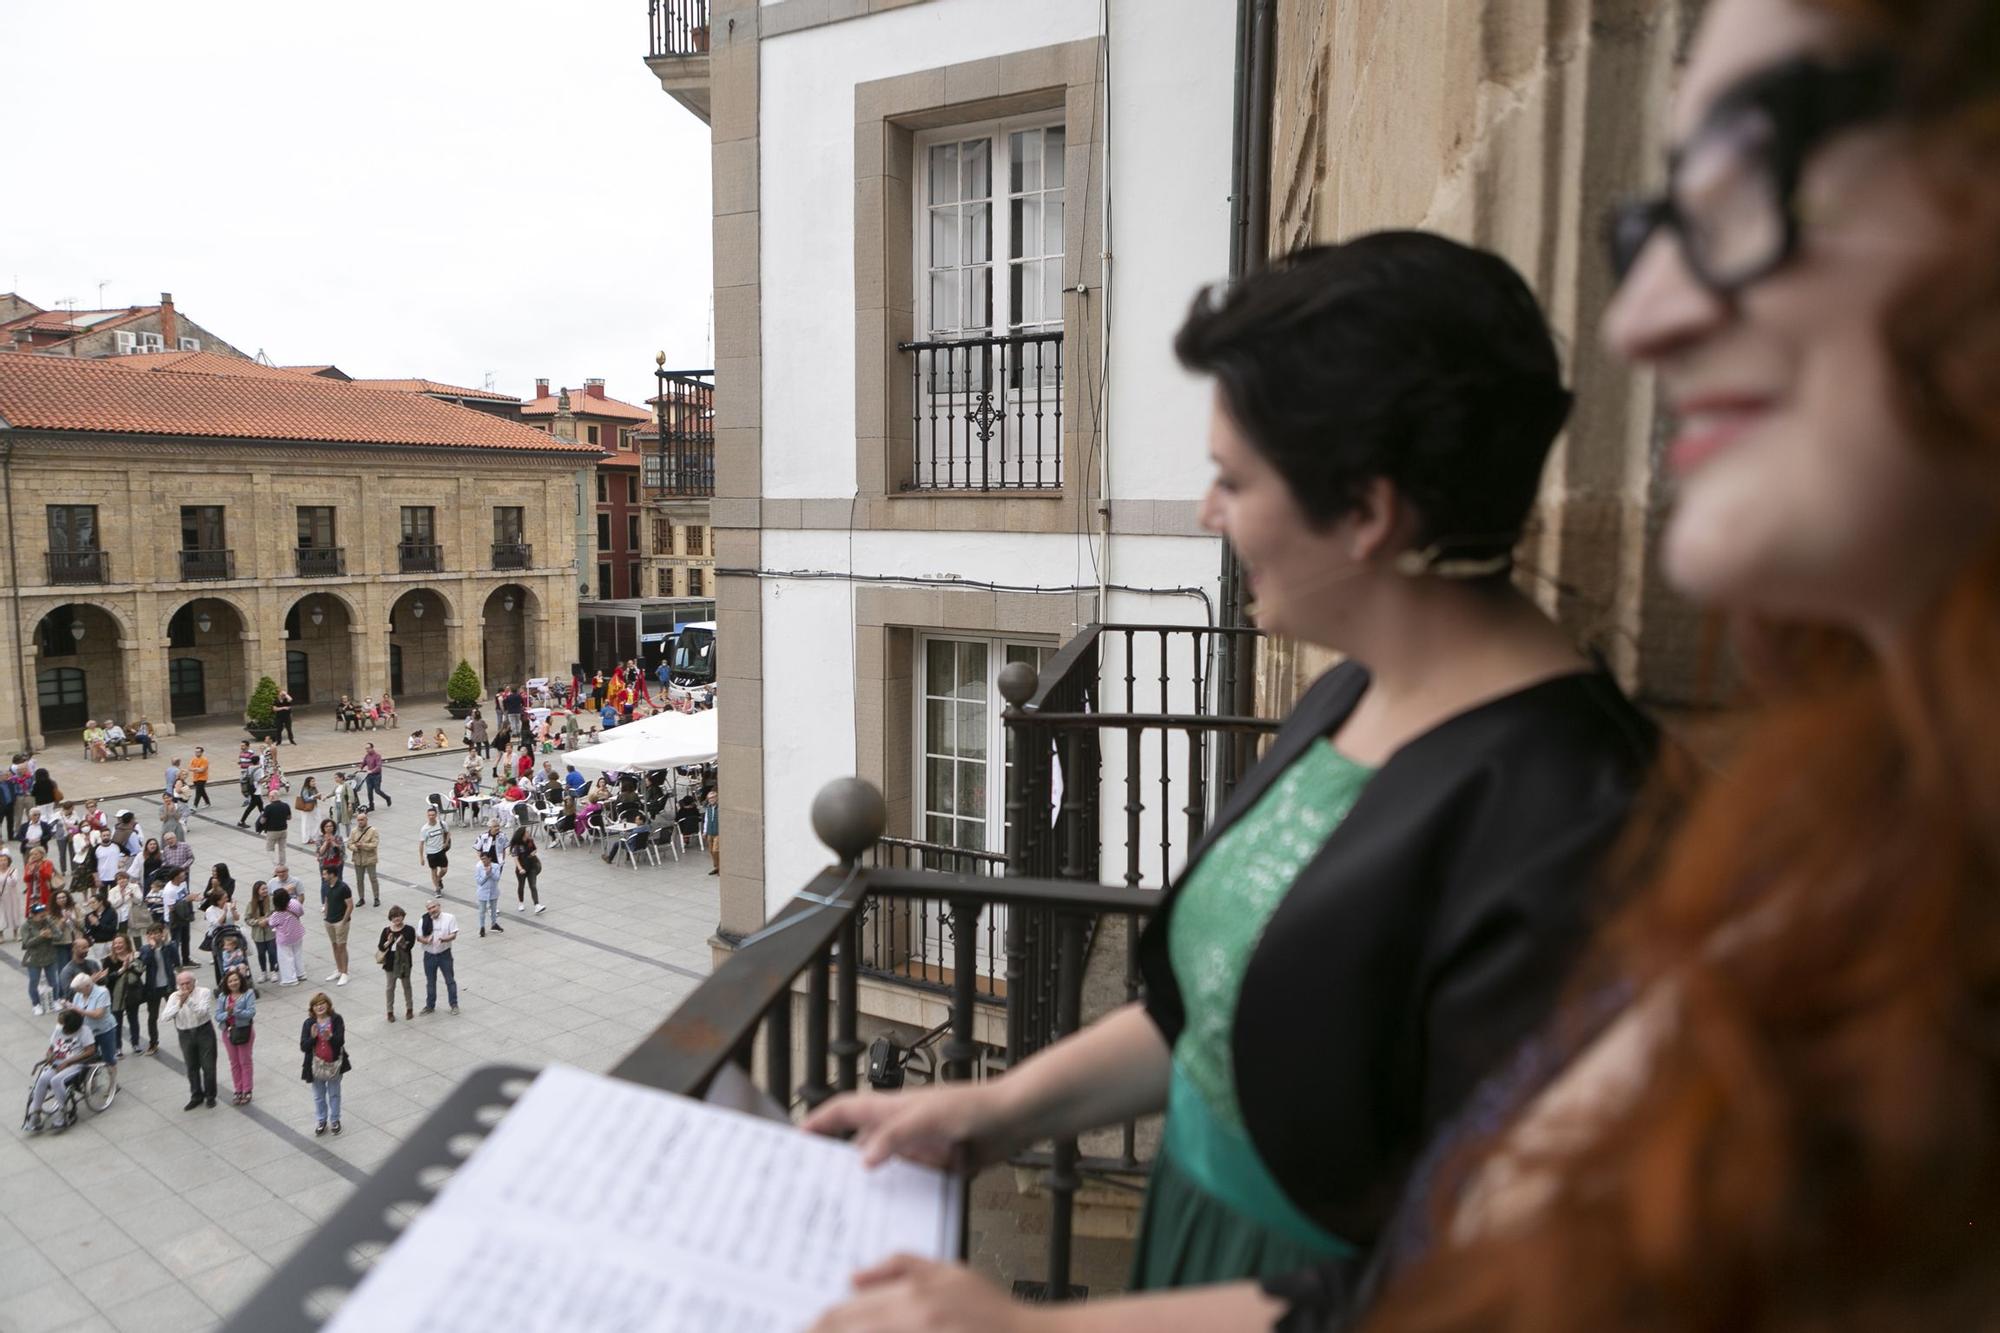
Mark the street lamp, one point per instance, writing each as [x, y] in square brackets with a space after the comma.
[417, 610]
[202, 622]
[507, 602]
[76, 630]
[318, 614]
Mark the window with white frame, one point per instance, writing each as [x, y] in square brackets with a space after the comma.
[964, 754]
[152, 342]
[990, 230]
[190, 344]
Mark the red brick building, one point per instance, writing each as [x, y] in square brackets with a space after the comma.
[588, 415]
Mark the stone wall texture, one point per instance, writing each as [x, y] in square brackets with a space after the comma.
[1510, 124]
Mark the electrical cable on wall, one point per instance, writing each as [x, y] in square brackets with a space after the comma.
[977, 585]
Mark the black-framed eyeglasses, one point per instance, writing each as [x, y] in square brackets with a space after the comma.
[1731, 195]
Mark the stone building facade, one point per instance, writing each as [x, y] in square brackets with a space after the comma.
[174, 536]
[1512, 126]
[124, 331]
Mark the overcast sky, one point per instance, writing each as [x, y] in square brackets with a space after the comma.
[433, 188]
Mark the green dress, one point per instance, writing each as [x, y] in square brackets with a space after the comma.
[1214, 1212]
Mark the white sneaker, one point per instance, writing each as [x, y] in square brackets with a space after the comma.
[540, 908]
[522, 907]
[341, 980]
[38, 1009]
[333, 976]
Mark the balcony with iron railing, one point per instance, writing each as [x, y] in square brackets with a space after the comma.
[321, 562]
[1121, 719]
[677, 51]
[985, 413]
[513, 555]
[207, 565]
[79, 567]
[682, 463]
[419, 557]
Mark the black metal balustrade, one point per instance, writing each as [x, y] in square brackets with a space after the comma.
[684, 464]
[909, 941]
[79, 567]
[677, 27]
[207, 565]
[513, 555]
[1143, 688]
[322, 562]
[986, 413]
[419, 558]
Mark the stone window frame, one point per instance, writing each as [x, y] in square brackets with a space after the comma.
[889, 115]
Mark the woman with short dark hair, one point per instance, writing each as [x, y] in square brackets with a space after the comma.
[1391, 898]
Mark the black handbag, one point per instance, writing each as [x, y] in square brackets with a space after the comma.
[239, 1034]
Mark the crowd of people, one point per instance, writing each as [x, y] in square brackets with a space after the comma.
[120, 928]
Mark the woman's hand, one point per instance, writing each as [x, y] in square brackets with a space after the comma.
[958, 1125]
[919, 1295]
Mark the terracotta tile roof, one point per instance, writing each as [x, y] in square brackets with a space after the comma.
[620, 459]
[202, 363]
[68, 394]
[583, 405]
[321, 371]
[432, 386]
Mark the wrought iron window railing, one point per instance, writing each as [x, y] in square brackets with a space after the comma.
[419, 558]
[207, 565]
[321, 562]
[79, 567]
[677, 27]
[986, 413]
[683, 463]
[513, 555]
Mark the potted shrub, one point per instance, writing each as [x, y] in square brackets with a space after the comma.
[461, 692]
[260, 714]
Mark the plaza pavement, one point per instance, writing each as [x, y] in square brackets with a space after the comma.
[152, 1218]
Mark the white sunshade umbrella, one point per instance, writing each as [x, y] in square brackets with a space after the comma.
[667, 739]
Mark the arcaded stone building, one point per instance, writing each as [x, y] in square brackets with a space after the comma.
[179, 526]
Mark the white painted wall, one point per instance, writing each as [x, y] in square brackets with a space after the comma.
[806, 182]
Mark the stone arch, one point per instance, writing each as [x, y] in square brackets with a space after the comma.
[510, 637]
[320, 657]
[244, 610]
[210, 672]
[421, 618]
[82, 678]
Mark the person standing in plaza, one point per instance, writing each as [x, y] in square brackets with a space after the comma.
[394, 950]
[177, 904]
[158, 962]
[433, 848]
[177, 854]
[490, 838]
[288, 932]
[258, 917]
[172, 816]
[323, 1042]
[486, 889]
[371, 774]
[246, 778]
[339, 900]
[236, 1017]
[365, 848]
[329, 848]
[173, 776]
[125, 974]
[437, 930]
[13, 901]
[308, 798]
[281, 717]
[191, 1011]
[711, 828]
[41, 954]
[197, 774]
[478, 739]
[272, 822]
[340, 804]
[527, 869]
[39, 878]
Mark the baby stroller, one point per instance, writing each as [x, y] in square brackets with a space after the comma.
[222, 941]
[92, 1085]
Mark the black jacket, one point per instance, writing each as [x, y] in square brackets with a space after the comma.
[1424, 940]
[339, 1046]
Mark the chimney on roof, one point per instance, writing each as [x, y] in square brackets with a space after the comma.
[593, 388]
[541, 387]
[170, 325]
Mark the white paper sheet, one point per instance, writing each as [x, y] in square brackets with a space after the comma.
[604, 1206]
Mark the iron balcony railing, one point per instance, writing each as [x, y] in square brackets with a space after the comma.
[207, 565]
[910, 941]
[677, 27]
[513, 555]
[321, 562]
[683, 462]
[986, 413]
[79, 567]
[419, 558]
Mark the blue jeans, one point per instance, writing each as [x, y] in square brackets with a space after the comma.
[326, 1100]
[107, 1044]
[38, 974]
[435, 963]
[489, 908]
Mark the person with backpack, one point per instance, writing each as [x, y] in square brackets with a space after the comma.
[246, 771]
[272, 822]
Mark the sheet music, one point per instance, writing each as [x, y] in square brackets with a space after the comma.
[601, 1205]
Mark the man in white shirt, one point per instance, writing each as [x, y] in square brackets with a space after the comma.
[436, 930]
[110, 858]
[191, 1010]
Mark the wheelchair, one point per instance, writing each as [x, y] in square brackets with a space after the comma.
[95, 1087]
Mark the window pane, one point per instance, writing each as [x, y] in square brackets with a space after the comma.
[944, 302]
[938, 829]
[978, 169]
[1052, 225]
[1052, 294]
[972, 730]
[944, 173]
[972, 790]
[938, 734]
[1025, 149]
[1027, 223]
[978, 233]
[944, 237]
[972, 671]
[938, 786]
[1054, 142]
[1026, 295]
[978, 297]
[939, 666]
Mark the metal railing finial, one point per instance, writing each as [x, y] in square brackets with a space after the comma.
[849, 814]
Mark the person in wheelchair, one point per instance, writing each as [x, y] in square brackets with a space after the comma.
[71, 1051]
